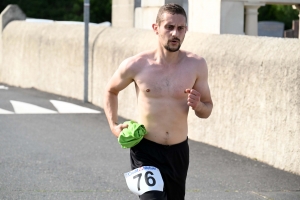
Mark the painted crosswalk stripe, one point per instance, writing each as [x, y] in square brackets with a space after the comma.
[65, 107]
[2, 87]
[2, 111]
[26, 108]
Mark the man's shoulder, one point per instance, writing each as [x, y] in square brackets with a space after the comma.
[138, 59]
[135, 63]
[195, 59]
[193, 56]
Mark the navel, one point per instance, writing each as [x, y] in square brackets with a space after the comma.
[148, 90]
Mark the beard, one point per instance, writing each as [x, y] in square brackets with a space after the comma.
[169, 48]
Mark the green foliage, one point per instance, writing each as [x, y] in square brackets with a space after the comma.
[282, 13]
[62, 10]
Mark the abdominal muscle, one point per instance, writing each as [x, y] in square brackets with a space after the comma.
[164, 119]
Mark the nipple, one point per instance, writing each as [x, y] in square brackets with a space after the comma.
[148, 90]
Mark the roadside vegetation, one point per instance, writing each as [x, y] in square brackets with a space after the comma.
[70, 10]
[281, 13]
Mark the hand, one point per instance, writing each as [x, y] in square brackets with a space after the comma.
[117, 129]
[193, 99]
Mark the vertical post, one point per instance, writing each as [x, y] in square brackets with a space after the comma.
[205, 16]
[251, 27]
[125, 9]
[299, 26]
[297, 6]
[86, 48]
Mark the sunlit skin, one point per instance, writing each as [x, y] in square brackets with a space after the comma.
[168, 82]
[171, 31]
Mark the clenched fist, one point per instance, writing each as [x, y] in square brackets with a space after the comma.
[193, 99]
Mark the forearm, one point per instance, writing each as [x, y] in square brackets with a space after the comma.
[111, 108]
[204, 109]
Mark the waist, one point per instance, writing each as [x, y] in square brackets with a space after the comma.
[165, 138]
[158, 145]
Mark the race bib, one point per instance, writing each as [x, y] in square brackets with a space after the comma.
[144, 179]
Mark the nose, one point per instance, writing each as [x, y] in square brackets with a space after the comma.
[175, 32]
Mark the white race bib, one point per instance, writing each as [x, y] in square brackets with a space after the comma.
[144, 179]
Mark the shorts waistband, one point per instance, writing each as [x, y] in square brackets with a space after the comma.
[144, 140]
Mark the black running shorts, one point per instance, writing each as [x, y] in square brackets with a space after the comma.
[172, 162]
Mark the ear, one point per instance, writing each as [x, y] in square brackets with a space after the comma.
[155, 28]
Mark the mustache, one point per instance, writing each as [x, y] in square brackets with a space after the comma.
[175, 38]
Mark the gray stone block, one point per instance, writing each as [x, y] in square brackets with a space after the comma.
[270, 29]
[11, 13]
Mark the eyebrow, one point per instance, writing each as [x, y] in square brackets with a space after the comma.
[181, 26]
[171, 24]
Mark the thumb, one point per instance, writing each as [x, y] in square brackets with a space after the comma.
[187, 90]
[124, 126]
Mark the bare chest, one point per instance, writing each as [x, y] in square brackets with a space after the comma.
[165, 83]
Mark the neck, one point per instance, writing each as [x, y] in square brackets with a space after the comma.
[164, 56]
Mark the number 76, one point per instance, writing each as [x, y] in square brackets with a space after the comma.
[147, 179]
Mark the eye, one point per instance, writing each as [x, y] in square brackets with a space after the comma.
[169, 27]
[180, 28]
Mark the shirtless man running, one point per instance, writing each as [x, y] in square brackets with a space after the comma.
[168, 82]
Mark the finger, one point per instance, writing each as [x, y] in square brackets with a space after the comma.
[195, 92]
[191, 101]
[192, 105]
[191, 97]
[194, 97]
[187, 91]
[122, 126]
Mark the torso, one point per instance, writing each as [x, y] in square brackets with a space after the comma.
[162, 102]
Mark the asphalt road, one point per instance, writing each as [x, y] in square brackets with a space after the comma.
[74, 156]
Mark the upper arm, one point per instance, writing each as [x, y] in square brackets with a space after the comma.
[122, 77]
[201, 84]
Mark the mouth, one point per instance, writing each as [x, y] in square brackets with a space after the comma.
[174, 41]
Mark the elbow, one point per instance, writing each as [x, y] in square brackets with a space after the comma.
[109, 91]
[205, 113]
[205, 116]
[209, 113]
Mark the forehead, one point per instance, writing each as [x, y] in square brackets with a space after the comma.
[168, 18]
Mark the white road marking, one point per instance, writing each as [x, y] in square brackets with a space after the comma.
[2, 87]
[26, 108]
[2, 111]
[61, 106]
[65, 107]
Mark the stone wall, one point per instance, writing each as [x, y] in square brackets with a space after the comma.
[254, 81]
[46, 56]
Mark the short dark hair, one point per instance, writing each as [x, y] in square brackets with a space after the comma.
[171, 8]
